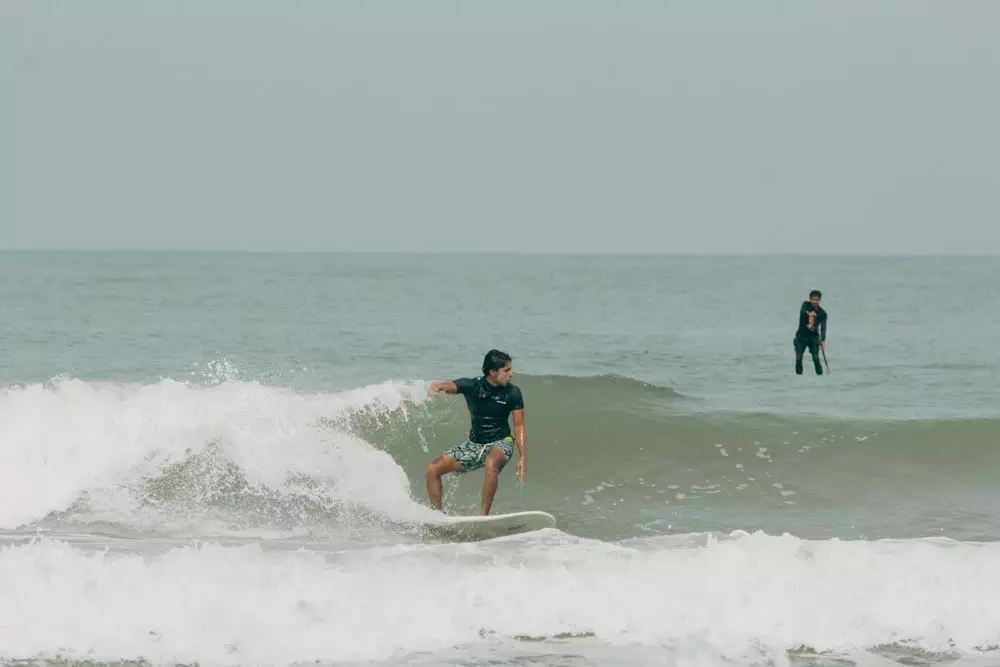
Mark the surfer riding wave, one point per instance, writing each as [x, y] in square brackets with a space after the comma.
[492, 400]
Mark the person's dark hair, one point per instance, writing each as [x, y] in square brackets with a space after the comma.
[494, 361]
[815, 292]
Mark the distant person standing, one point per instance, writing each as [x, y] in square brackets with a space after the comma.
[811, 333]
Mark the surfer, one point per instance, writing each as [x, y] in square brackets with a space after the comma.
[491, 400]
[811, 333]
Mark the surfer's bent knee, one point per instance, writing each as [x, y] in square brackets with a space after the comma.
[441, 465]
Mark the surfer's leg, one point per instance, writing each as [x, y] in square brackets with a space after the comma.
[494, 462]
[442, 465]
[500, 453]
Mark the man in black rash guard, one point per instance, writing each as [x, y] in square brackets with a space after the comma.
[811, 333]
[491, 400]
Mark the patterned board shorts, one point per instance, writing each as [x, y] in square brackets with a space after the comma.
[472, 455]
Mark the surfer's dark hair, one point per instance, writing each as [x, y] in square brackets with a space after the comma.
[817, 293]
[494, 361]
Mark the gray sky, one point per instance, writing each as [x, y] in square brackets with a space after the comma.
[528, 126]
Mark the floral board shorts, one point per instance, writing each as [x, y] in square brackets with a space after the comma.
[472, 455]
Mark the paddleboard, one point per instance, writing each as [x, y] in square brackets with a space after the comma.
[487, 527]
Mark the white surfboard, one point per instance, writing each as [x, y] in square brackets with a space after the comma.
[494, 525]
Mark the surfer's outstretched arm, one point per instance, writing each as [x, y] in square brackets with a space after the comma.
[444, 387]
[519, 440]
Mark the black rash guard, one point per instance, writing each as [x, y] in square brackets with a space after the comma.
[490, 407]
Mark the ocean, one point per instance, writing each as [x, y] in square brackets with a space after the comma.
[218, 459]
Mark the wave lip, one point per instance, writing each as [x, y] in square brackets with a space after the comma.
[609, 382]
[111, 447]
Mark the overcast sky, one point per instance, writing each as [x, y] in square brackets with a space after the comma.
[527, 126]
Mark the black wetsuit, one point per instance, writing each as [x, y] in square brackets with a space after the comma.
[490, 407]
[811, 331]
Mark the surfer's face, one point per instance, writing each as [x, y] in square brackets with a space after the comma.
[814, 300]
[502, 376]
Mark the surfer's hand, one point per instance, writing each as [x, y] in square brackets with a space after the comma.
[522, 470]
[822, 346]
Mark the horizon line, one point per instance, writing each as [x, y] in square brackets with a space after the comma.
[508, 253]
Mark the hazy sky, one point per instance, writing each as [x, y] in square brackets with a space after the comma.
[528, 126]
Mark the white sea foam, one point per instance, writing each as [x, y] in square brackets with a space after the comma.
[740, 597]
[69, 439]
